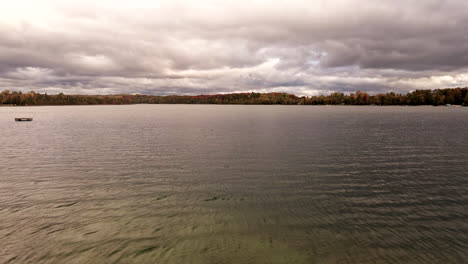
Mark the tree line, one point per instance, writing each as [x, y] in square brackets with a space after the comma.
[452, 96]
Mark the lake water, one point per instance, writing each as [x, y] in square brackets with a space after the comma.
[234, 184]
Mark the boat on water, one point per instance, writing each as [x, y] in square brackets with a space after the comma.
[23, 119]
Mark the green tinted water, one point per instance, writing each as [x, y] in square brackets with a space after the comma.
[233, 184]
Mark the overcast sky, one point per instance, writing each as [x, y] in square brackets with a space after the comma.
[193, 47]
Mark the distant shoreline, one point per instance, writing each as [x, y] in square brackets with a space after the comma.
[237, 104]
[439, 97]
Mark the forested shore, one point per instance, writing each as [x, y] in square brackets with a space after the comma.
[449, 96]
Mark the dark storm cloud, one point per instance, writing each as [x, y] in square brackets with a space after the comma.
[191, 47]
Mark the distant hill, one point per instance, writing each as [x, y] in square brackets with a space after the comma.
[452, 96]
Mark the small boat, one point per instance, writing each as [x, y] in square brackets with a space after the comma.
[23, 119]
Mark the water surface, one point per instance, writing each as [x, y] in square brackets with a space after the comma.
[234, 184]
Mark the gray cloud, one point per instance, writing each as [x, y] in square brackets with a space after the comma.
[193, 47]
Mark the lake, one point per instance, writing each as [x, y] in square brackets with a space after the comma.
[234, 184]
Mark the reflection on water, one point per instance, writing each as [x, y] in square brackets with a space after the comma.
[234, 184]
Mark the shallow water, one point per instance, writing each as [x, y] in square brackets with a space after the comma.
[234, 184]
